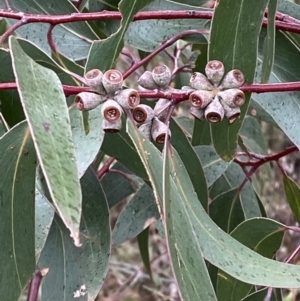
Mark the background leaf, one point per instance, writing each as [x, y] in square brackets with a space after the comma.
[292, 191]
[104, 53]
[146, 35]
[269, 43]
[240, 22]
[87, 145]
[50, 127]
[138, 214]
[72, 39]
[213, 165]
[283, 107]
[70, 267]
[17, 184]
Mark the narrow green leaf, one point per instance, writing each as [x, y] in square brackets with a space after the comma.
[45, 107]
[263, 236]
[260, 296]
[138, 214]
[240, 22]
[115, 186]
[44, 213]
[194, 225]
[10, 104]
[72, 269]
[191, 162]
[87, 145]
[232, 178]
[213, 165]
[143, 242]
[17, 185]
[226, 210]
[201, 133]
[269, 43]
[3, 125]
[188, 265]
[121, 148]
[283, 106]
[253, 137]
[104, 53]
[292, 191]
[42, 58]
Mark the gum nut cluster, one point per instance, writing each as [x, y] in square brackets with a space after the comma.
[109, 95]
[151, 121]
[216, 95]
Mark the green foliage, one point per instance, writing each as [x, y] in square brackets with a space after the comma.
[62, 175]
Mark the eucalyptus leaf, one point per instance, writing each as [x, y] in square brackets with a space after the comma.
[72, 39]
[283, 107]
[78, 273]
[213, 165]
[240, 22]
[292, 191]
[50, 128]
[195, 225]
[104, 53]
[140, 212]
[17, 185]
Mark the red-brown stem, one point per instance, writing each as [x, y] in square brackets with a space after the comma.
[34, 286]
[264, 159]
[257, 163]
[293, 255]
[7, 5]
[104, 15]
[161, 48]
[105, 168]
[177, 95]
[50, 39]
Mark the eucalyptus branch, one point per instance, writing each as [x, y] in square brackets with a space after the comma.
[288, 24]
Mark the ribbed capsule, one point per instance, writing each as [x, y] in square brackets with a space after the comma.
[162, 75]
[215, 71]
[233, 79]
[112, 81]
[214, 112]
[86, 101]
[93, 79]
[232, 97]
[199, 81]
[143, 114]
[159, 131]
[198, 113]
[201, 98]
[161, 107]
[145, 129]
[230, 113]
[128, 98]
[146, 81]
[111, 126]
[111, 110]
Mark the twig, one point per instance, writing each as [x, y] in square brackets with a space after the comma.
[34, 286]
[105, 168]
[161, 48]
